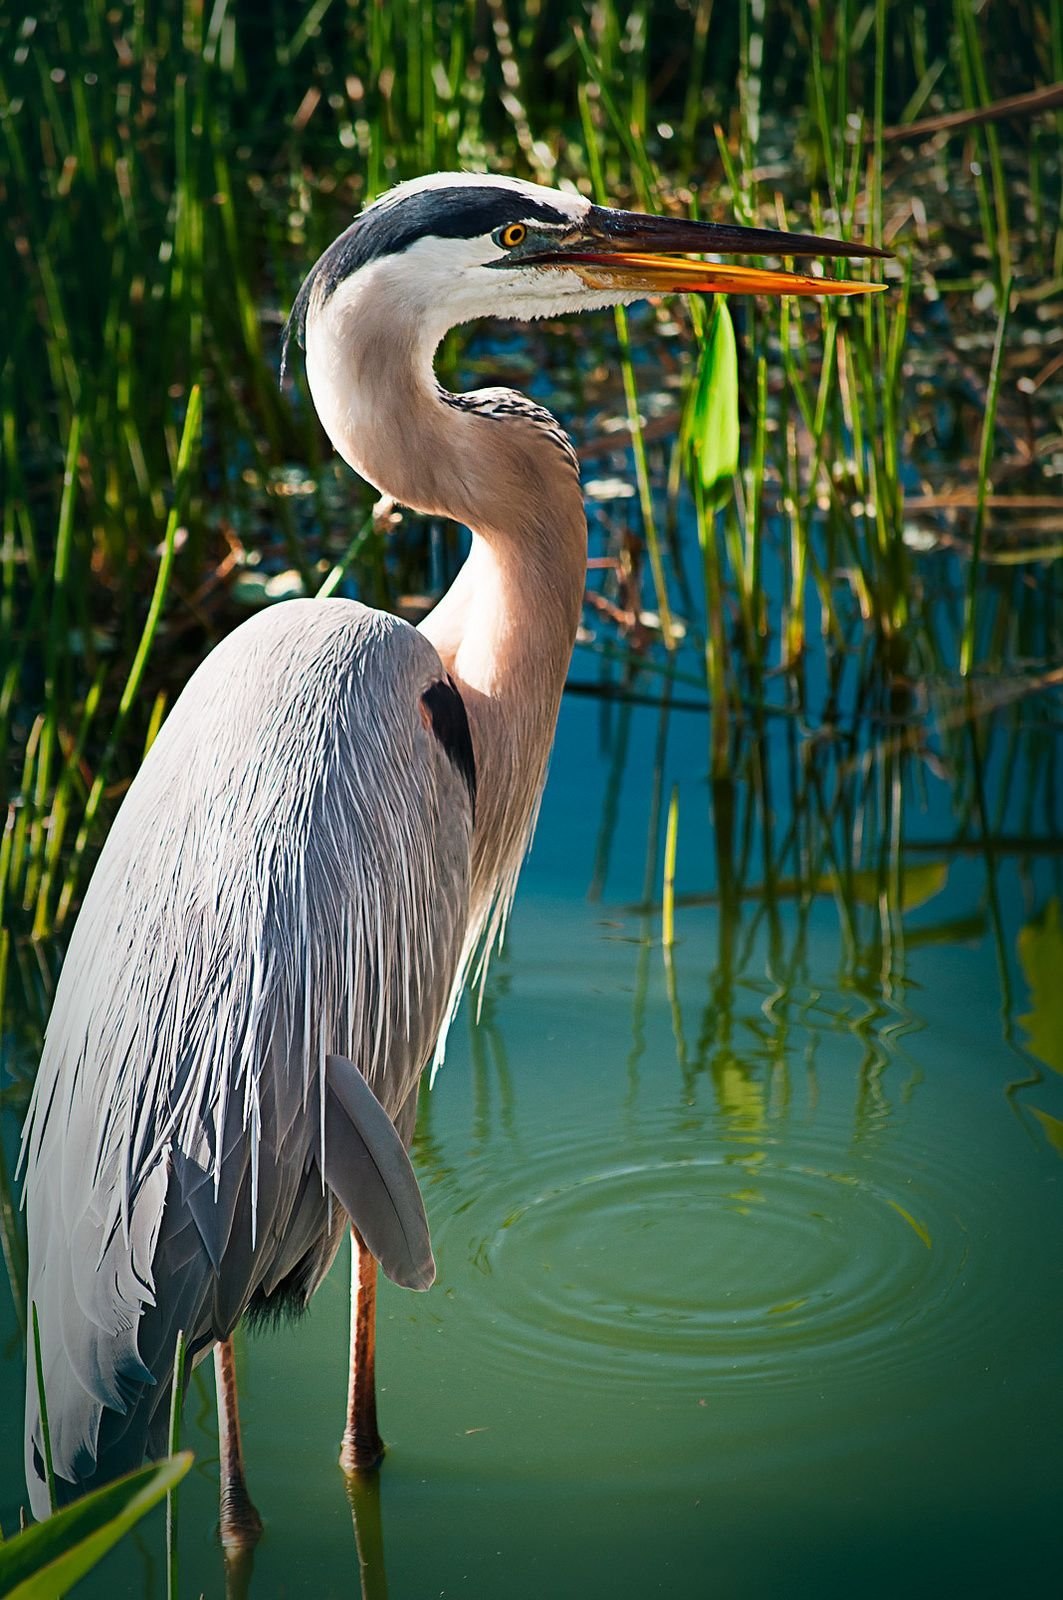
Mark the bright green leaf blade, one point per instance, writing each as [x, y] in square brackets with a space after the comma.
[50, 1557]
[714, 422]
[1041, 954]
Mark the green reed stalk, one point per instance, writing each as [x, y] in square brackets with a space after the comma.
[878, 126]
[797, 366]
[715, 638]
[12, 1228]
[963, 53]
[22, 810]
[60, 807]
[647, 181]
[976, 93]
[310, 25]
[828, 130]
[750, 78]
[695, 82]
[985, 456]
[671, 846]
[794, 633]
[158, 711]
[642, 477]
[753, 562]
[56, 634]
[42, 1402]
[627, 367]
[335, 577]
[176, 1398]
[190, 434]
[189, 441]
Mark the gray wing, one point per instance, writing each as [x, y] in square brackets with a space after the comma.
[287, 882]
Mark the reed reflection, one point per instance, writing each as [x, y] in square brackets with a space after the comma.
[863, 819]
[364, 1490]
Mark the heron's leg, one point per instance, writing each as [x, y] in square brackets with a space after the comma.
[241, 1525]
[362, 1446]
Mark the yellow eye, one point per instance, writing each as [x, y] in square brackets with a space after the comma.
[512, 234]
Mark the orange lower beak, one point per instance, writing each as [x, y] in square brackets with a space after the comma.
[646, 254]
[676, 275]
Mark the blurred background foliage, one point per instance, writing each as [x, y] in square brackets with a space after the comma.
[169, 174]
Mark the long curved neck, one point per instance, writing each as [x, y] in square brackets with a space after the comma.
[505, 631]
[506, 627]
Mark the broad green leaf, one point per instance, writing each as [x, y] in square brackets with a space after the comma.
[1053, 1129]
[1041, 954]
[47, 1559]
[714, 419]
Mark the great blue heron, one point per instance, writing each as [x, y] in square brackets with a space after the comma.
[323, 840]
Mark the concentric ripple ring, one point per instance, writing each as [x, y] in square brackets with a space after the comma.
[673, 1266]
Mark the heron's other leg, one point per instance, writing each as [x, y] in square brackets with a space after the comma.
[241, 1525]
[362, 1446]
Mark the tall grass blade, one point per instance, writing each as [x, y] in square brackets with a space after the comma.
[176, 1397]
[671, 845]
[189, 441]
[985, 455]
[638, 439]
[42, 1402]
[12, 1226]
[332, 580]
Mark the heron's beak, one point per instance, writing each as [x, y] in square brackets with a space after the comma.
[629, 250]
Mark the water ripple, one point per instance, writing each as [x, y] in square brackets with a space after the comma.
[773, 1262]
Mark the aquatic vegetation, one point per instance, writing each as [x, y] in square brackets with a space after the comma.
[168, 183]
[50, 1557]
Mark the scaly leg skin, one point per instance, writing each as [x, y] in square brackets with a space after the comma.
[241, 1525]
[362, 1447]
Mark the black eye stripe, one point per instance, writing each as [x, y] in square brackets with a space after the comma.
[389, 227]
[450, 214]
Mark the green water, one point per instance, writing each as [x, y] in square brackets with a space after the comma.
[750, 1268]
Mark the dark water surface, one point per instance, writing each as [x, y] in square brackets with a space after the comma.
[750, 1261]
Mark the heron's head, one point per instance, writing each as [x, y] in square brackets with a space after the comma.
[445, 249]
[449, 248]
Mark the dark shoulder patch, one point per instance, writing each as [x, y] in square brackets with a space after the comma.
[444, 711]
